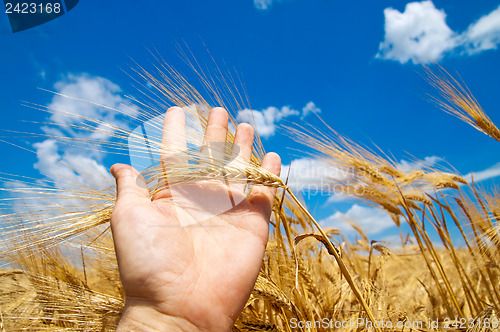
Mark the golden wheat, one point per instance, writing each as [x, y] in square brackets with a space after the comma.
[62, 273]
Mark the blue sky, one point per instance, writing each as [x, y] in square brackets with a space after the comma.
[354, 62]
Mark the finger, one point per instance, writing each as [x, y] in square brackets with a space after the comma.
[242, 152]
[262, 196]
[131, 187]
[173, 141]
[215, 136]
[173, 150]
[243, 143]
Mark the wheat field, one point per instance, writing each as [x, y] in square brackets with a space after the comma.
[59, 270]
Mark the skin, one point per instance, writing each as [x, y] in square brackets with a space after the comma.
[182, 267]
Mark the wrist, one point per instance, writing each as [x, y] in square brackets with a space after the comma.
[144, 318]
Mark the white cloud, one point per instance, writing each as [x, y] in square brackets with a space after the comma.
[315, 176]
[41, 70]
[72, 166]
[434, 161]
[97, 96]
[309, 108]
[483, 34]
[370, 219]
[408, 166]
[70, 171]
[262, 121]
[265, 121]
[311, 174]
[262, 4]
[420, 33]
[403, 166]
[486, 174]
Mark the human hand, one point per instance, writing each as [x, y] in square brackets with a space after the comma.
[181, 271]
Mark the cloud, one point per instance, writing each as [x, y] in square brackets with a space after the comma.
[41, 70]
[309, 108]
[420, 33]
[483, 175]
[484, 34]
[427, 162]
[262, 4]
[403, 166]
[371, 220]
[265, 121]
[69, 166]
[98, 97]
[315, 176]
[433, 161]
[70, 171]
[311, 174]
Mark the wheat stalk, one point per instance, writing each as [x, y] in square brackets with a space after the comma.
[457, 100]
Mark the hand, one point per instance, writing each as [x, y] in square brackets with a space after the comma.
[181, 271]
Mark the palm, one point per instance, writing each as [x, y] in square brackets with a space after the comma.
[174, 252]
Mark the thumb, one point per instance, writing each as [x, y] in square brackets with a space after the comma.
[130, 184]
